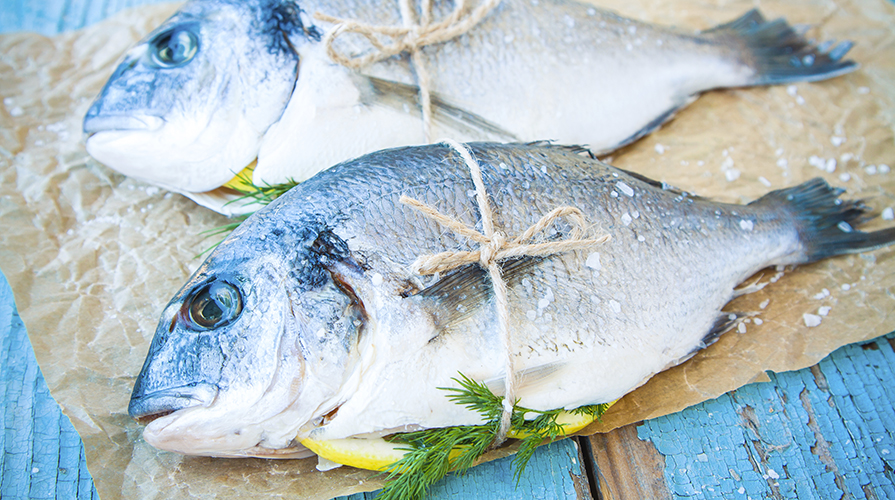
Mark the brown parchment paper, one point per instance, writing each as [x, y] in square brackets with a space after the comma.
[93, 256]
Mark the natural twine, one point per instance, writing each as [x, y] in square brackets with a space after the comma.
[495, 248]
[411, 37]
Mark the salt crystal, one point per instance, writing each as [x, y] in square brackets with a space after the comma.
[613, 194]
[543, 303]
[727, 163]
[863, 90]
[746, 225]
[626, 219]
[741, 328]
[870, 169]
[16, 111]
[846, 157]
[741, 490]
[764, 181]
[846, 287]
[836, 140]
[732, 175]
[773, 474]
[830, 165]
[376, 279]
[816, 161]
[593, 261]
[811, 320]
[7, 101]
[883, 169]
[800, 100]
[782, 163]
[764, 303]
[888, 214]
[624, 188]
[757, 321]
[792, 90]
[616, 307]
[531, 315]
[640, 238]
[844, 177]
[660, 149]
[779, 152]
[822, 294]
[823, 311]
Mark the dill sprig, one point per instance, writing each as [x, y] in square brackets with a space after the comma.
[250, 193]
[432, 453]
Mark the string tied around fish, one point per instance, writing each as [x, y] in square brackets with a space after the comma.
[414, 34]
[494, 248]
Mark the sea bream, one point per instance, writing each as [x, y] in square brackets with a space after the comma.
[307, 321]
[223, 83]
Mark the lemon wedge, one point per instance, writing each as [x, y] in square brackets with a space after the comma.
[377, 453]
[243, 180]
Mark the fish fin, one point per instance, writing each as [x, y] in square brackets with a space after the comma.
[400, 96]
[724, 322]
[826, 224]
[460, 294]
[528, 379]
[664, 186]
[650, 127]
[777, 53]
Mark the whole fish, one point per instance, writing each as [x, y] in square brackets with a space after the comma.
[223, 83]
[307, 322]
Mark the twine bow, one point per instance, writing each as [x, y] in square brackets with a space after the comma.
[411, 37]
[495, 248]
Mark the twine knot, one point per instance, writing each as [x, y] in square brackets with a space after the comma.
[494, 248]
[412, 36]
[489, 252]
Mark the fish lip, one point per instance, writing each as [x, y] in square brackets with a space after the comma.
[148, 407]
[113, 123]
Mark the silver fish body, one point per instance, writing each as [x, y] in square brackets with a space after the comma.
[306, 321]
[254, 80]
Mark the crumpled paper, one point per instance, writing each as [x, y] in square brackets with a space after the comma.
[93, 257]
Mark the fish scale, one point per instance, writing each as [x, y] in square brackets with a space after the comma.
[370, 343]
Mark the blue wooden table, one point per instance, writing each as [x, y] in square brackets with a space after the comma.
[822, 432]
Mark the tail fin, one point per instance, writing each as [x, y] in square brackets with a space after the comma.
[825, 223]
[778, 54]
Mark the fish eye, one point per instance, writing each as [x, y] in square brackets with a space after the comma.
[174, 47]
[214, 305]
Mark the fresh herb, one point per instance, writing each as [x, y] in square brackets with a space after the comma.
[250, 193]
[432, 453]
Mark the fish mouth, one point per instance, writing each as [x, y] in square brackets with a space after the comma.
[148, 407]
[98, 123]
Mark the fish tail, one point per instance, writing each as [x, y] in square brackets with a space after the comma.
[778, 53]
[827, 225]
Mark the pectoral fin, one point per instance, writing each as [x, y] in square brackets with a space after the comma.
[402, 96]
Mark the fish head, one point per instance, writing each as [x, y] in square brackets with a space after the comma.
[187, 106]
[256, 345]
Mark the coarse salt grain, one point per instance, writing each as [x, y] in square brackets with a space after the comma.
[811, 320]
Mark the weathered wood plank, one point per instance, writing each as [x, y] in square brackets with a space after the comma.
[626, 467]
[823, 432]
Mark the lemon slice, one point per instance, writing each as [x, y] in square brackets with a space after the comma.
[243, 180]
[377, 453]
